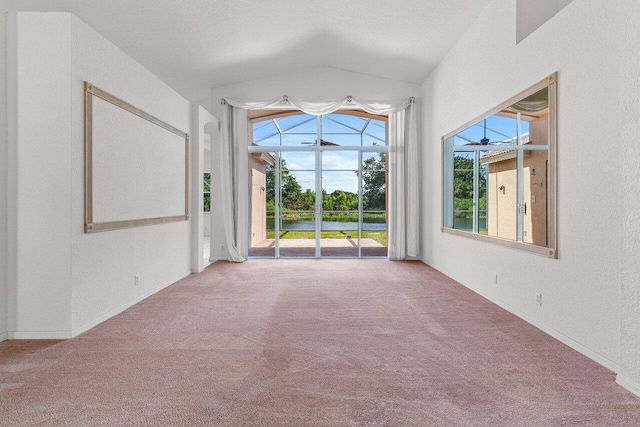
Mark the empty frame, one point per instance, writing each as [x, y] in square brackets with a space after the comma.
[136, 166]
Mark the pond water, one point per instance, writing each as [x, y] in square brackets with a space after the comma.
[309, 225]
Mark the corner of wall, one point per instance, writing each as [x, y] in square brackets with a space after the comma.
[217, 239]
[197, 170]
[629, 374]
[11, 195]
[3, 176]
[628, 384]
[39, 266]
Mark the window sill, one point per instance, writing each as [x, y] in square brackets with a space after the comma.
[526, 247]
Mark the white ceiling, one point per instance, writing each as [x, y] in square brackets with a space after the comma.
[197, 44]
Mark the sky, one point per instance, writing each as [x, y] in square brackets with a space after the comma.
[338, 167]
[498, 129]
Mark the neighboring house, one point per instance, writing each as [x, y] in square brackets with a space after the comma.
[502, 202]
[259, 163]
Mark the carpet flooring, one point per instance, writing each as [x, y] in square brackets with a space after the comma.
[310, 343]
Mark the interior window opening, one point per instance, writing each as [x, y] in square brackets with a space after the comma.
[499, 173]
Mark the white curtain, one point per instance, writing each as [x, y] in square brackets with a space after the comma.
[403, 233]
[403, 168]
[234, 183]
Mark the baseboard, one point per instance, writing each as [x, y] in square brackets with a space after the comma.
[39, 335]
[4, 336]
[123, 307]
[596, 357]
[627, 384]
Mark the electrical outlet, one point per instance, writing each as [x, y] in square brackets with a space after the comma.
[539, 300]
[222, 248]
[136, 280]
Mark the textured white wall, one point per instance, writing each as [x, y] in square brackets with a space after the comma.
[3, 175]
[214, 228]
[207, 224]
[64, 281]
[581, 289]
[629, 374]
[104, 264]
[531, 14]
[201, 153]
[40, 170]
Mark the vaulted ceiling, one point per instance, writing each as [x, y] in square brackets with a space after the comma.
[197, 44]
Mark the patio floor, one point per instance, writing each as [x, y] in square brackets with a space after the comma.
[329, 247]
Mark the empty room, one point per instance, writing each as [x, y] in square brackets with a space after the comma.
[327, 213]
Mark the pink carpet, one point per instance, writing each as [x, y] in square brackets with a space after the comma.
[310, 342]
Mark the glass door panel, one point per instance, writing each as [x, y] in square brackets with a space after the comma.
[373, 239]
[374, 133]
[263, 205]
[340, 233]
[297, 220]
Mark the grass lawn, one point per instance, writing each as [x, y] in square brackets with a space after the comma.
[378, 236]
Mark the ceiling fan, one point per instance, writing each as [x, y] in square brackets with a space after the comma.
[484, 140]
[322, 143]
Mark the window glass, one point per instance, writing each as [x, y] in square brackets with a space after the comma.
[207, 192]
[498, 171]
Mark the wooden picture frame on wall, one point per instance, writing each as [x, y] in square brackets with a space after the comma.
[126, 151]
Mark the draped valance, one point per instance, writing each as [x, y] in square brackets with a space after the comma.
[318, 108]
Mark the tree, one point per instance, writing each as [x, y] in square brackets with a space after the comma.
[207, 191]
[308, 200]
[290, 188]
[374, 195]
[463, 184]
[292, 197]
[340, 200]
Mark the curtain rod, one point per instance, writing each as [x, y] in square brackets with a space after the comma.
[285, 100]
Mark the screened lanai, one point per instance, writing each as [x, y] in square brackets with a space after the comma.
[320, 189]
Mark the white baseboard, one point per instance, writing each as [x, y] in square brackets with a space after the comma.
[596, 357]
[627, 384]
[125, 306]
[4, 336]
[39, 335]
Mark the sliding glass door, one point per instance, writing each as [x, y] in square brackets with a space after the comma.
[324, 192]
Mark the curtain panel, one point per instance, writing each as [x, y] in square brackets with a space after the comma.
[404, 207]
